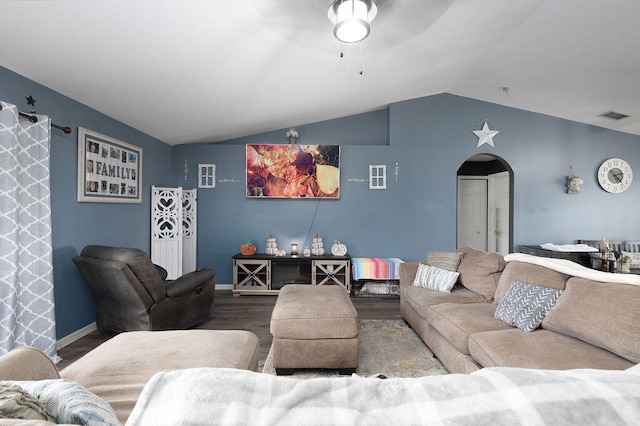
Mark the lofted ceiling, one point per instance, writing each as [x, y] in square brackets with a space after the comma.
[210, 70]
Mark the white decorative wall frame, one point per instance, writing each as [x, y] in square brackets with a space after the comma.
[377, 176]
[206, 175]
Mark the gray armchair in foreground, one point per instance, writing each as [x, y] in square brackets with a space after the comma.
[131, 293]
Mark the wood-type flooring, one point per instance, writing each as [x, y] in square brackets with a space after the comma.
[251, 313]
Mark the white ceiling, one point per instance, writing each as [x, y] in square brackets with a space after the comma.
[210, 70]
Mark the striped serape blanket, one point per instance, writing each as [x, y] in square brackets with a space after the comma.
[376, 268]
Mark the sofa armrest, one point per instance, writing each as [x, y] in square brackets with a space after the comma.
[189, 282]
[27, 363]
[408, 271]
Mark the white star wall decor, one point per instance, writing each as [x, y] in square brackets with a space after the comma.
[486, 134]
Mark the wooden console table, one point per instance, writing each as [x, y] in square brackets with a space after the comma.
[264, 274]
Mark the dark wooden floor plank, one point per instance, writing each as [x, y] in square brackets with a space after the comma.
[251, 313]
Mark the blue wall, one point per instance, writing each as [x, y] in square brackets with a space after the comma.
[429, 138]
[78, 224]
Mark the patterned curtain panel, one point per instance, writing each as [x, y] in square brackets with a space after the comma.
[27, 316]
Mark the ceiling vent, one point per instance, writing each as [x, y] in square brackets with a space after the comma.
[613, 115]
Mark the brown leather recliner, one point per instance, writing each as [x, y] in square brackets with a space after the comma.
[131, 293]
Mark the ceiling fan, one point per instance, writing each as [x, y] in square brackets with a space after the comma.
[305, 22]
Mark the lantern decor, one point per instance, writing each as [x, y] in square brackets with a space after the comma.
[292, 136]
[573, 182]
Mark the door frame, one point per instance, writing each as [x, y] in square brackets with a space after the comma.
[506, 168]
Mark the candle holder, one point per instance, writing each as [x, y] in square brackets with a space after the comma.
[294, 249]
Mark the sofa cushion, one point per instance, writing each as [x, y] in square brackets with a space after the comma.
[457, 321]
[603, 314]
[525, 305]
[540, 349]
[449, 260]
[435, 278]
[480, 271]
[529, 273]
[421, 299]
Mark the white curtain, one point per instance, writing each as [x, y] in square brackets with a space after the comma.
[27, 316]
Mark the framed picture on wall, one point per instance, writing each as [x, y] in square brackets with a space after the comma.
[109, 170]
[293, 171]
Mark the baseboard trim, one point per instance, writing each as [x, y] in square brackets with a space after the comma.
[224, 286]
[70, 338]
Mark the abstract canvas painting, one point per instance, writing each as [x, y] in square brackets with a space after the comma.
[293, 171]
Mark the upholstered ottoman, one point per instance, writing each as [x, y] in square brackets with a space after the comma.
[314, 327]
[118, 369]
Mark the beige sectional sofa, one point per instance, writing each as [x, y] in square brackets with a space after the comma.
[594, 323]
[165, 378]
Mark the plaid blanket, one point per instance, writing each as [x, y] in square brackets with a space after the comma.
[492, 396]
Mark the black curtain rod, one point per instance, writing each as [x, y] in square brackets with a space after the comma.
[34, 119]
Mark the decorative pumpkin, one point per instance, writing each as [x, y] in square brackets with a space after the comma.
[317, 247]
[271, 246]
[338, 248]
[248, 248]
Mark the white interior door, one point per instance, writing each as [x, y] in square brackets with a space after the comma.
[500, 203]
[472, 212]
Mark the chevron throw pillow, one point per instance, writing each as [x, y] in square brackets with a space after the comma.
[525, 305]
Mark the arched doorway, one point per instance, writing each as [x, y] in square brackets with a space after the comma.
[485, 204]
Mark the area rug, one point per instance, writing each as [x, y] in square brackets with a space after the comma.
[387, 347]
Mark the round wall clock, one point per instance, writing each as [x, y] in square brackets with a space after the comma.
[615, 175]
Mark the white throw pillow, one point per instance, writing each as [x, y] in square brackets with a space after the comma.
[435, 278]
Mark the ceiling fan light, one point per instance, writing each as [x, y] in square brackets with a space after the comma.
[351, 31]
[351, 19]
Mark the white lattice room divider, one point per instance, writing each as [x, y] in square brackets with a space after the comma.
[189, 229]
[173, 229]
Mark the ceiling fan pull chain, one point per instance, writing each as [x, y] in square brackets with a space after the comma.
[361, 61]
